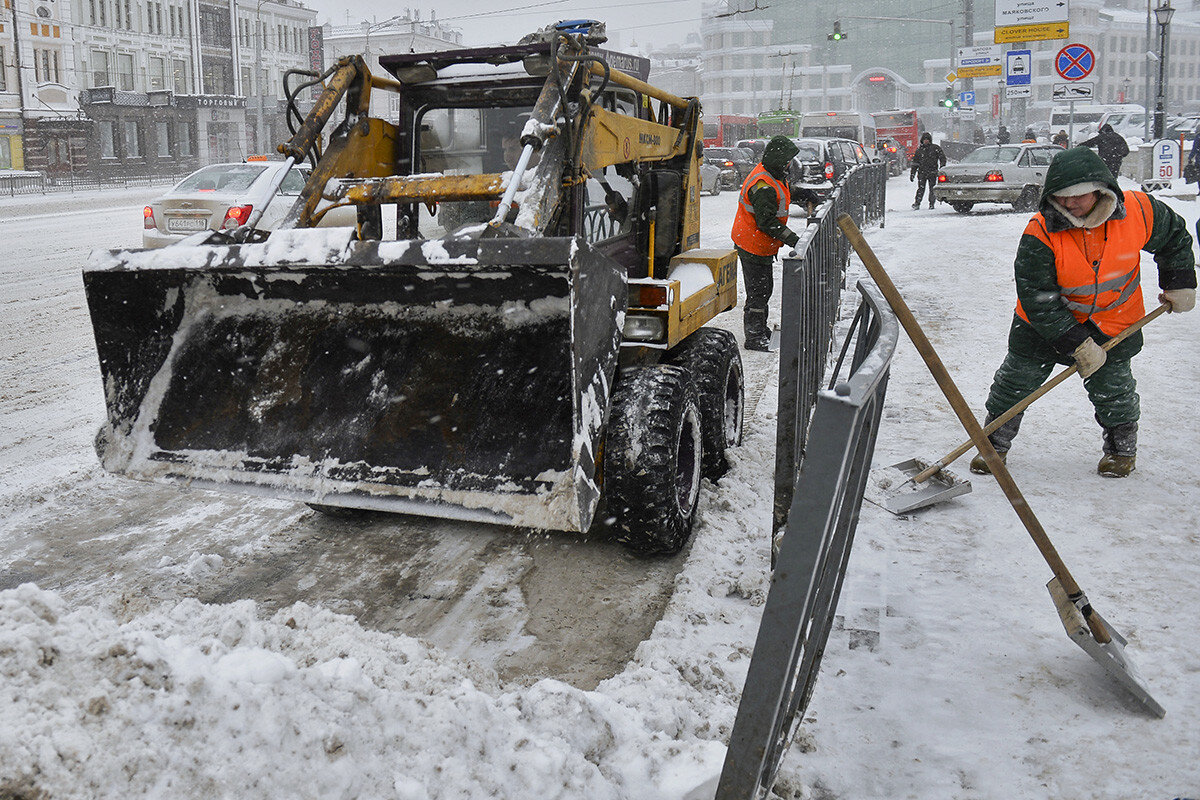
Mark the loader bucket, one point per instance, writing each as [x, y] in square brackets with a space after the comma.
[466, 377]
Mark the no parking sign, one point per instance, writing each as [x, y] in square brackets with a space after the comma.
[1075, 62]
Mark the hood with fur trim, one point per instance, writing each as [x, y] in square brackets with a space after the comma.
[1075, 166]
[777, 155]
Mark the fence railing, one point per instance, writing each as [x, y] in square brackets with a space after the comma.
[812, 288]
[813, 553]
[820, 473]
[13, 184]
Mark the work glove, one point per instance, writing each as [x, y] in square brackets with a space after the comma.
[1089, 357]
[1181, 300]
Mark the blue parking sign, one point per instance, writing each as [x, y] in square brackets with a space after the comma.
[966, 98]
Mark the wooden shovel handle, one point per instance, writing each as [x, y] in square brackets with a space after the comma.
[995, 424]
[963, 411]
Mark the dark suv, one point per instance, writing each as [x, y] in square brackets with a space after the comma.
[736, 164]
[819, 165]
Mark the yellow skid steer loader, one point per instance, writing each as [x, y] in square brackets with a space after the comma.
[512, 333]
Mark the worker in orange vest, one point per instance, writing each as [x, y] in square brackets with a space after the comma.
[1079, 284]
[759, 230]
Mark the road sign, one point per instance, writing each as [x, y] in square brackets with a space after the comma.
[1030, 33]
[1018, 68]
[978, 62]
[1023, 12]
[1075, 61]
[966, 98]
[1164, 162]
[1072, 92]
[1019, 91]
[951, 77]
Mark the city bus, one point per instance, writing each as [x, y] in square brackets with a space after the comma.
[724, 130]
[779, 123]
[902, 126]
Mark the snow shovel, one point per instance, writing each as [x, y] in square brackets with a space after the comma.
[1104, 645]
[925, 470]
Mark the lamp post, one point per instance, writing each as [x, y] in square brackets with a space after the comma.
[1163, 14]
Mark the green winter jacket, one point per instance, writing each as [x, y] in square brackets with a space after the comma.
[777, 157]
[1036, 277]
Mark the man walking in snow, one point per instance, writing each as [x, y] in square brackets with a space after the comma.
[759, 230]
[1111, 146]
[1078, 285]
[926, 162]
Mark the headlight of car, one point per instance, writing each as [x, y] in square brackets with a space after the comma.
[644, 328]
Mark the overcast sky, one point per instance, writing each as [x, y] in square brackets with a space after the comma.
[491, 22]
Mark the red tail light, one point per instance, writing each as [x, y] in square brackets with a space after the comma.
[828, 170]
[148, 218]
[729, 163]
[236, 216]
[942, 177]
[995, 176]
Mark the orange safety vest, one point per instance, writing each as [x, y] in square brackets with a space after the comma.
[1099, 269]
[746, 234]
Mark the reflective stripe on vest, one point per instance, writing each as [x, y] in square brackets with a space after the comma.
[746, 234]
[1109, 291]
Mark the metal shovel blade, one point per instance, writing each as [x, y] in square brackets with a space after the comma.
[1111, 655]
[892, 488]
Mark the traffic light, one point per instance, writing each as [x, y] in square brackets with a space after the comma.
[837, 34]
[949, 101]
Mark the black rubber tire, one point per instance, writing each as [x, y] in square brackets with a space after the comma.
[1028, 201]
[652, 455]
[716, 190]
[712, 357]
[962, 206]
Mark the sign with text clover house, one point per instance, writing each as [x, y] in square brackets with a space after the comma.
[978, 62]
[1030, 20]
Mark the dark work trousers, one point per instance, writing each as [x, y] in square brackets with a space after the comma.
[758, 277]
[922, 179]
[1112, 389]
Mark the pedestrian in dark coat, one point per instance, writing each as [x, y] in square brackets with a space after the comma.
[926, 162]
[1002, 136]
[1193, 161]
[1061, 139]
[1111, 146]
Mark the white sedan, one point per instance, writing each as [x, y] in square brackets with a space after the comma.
[1009, 173]
[222, 197]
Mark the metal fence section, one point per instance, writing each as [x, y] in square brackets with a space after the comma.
[12, 184]
[811, 296]
[815, 548]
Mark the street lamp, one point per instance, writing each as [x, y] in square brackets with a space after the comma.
[1163, 14]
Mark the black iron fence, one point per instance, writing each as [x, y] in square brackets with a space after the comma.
[15, 183]
[821, 471]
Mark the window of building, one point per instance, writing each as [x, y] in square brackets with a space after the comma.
[157, 73]
[101, 68]
[3, 74]
[128, 14]
[92, 11]
[163, 131]
[133, 139]
[246, 88]
[108, 138]
[183, 139]
[117, 17]
[125, 71]
[179, 76]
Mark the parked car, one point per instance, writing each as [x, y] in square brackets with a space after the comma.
[755, 146]
[894, 152]
[736, 163]
[222, 197]
[710, 178]
[819, 165]
[1011, 173]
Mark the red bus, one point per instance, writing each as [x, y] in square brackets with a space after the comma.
[725, 130]
[903, 126]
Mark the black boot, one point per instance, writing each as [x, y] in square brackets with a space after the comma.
[1001, 440]
[1120, 451]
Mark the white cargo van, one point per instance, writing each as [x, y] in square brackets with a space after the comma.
[856, 125]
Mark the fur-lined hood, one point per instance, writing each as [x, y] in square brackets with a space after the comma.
[1080, 165]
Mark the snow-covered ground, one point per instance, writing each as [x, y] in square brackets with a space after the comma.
[948, 675]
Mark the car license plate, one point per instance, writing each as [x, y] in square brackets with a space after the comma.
[186, 224]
